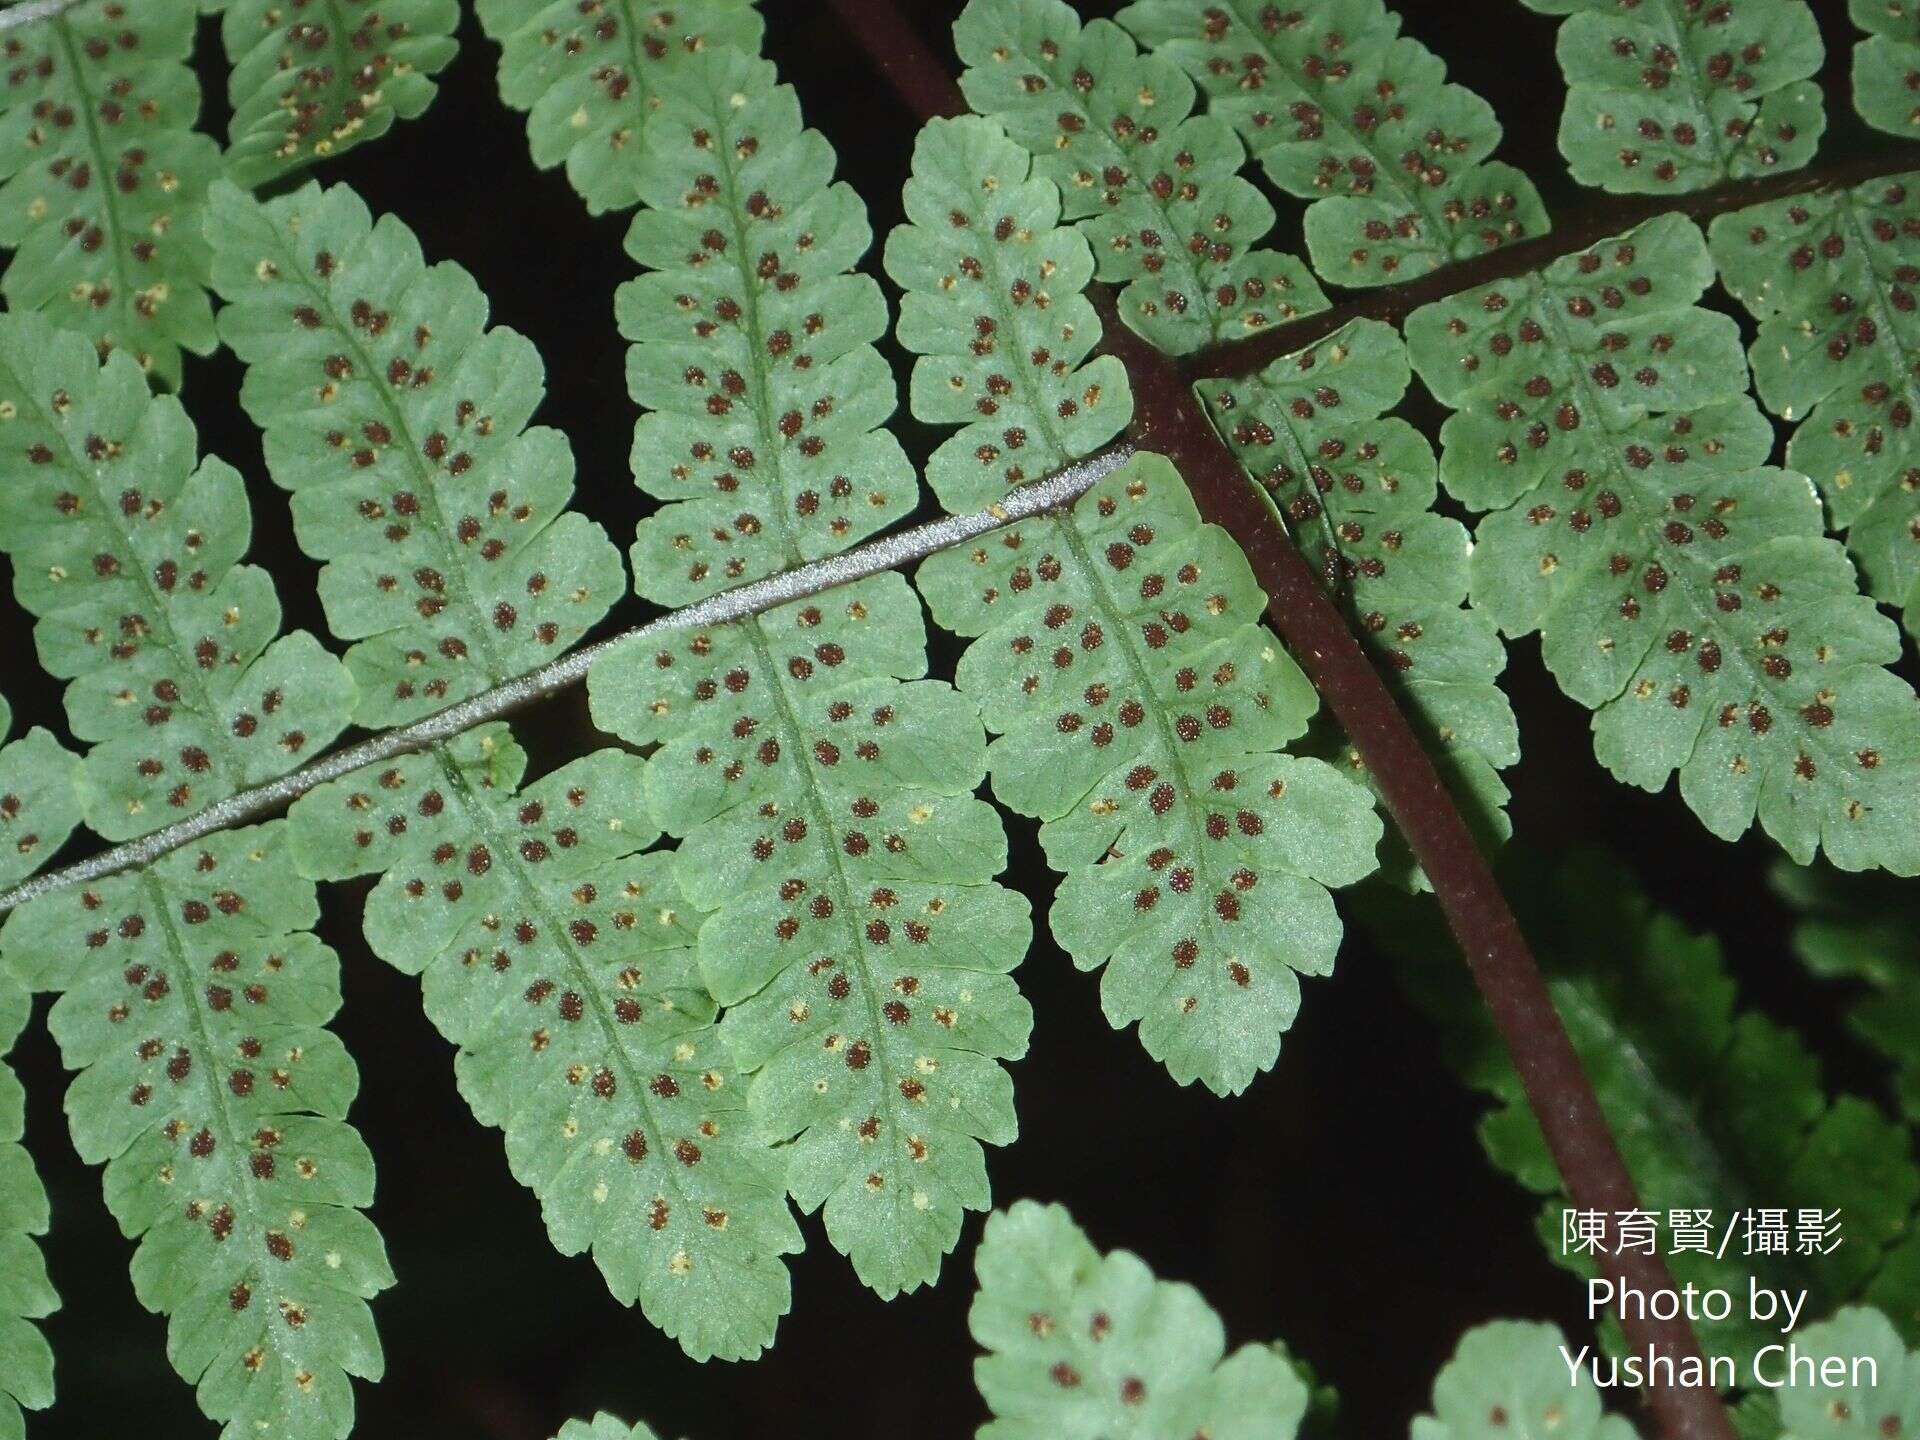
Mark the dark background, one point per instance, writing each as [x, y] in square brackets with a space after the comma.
[1342, 1204]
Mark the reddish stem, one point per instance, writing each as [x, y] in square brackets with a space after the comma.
[1168, 419]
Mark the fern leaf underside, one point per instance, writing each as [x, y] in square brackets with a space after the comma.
[38, 811]
[1119, 653]
[1683, 590]
[313, 81]
[821, 786]
[1832, 276]
[1342, 110]
[559, 960]
[399, 420]
[603, 1427]
[1672, 96]
[105, 179]
[26, 1293]
[1509, 1378]
[587, 75]
[481, 575]
[217, 1100]
[1357, 490]
[126, 549]
[1081, 1343]
[1155, 188]
[1886, 65]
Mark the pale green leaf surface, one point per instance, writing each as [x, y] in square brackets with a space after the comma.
[994, 309]
[193, 1006]
[1886, 1410]
[1882, 68]
[559, 960]
[1832, 277]
[313, 80]
[38, 810]
[1716, 1107]
[825, 795]
[26, 1294]
[787, 738]
[603, 1427]
[1507, 1381]
[1155, 188]
[1120, 657]
[399, 421]
[105, 180]
[753, 351]
[39, 804]
[1141, 707]
[587, 77]
[1682, 590]
[1886, 65]
[1331, 98]
[1671, 95]
[1357, 489]
[124, 545]
[1083, 1346]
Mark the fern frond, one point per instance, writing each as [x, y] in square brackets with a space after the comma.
[1831, 276]
[1674, 96]
[26, 1294]
[753, 351]
[398, 419]
[1155, 188]
[1509, 1378]
[311, 81]
[1141, 716]
[994, 309]
[1121, 657]
[1330, 97]
[586, 76]
[560, 961]
[39, 804]
[193, 1006]
[126, 554]
[38, 811]
[1862, 929]
[105, 179]
[1890, 1406]
[1357, 490]
[1886, 65]
[1716, 1107]
[852, 931]
[603, 1427]
[852, 927]
[1082, 1344]
[1682, 590]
